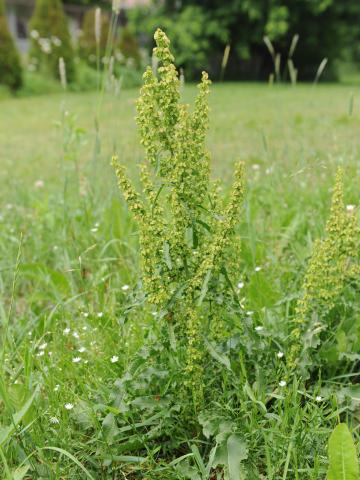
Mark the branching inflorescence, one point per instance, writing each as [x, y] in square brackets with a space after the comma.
[185, 230]
[332, 265]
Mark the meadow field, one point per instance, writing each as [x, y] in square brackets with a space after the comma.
[87, 390]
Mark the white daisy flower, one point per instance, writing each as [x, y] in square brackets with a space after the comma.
[318, 398]
[257, 269]
[56, 388]
[81, 349]
[100, 314]
[125, 287]
[39, 184]
[54, 420]
[76, 360]
[66, 331]
[114, 359]
[69, 406]
[280, 354]
[240, 285]
[259, 328]
[282, 383]
[350, 208]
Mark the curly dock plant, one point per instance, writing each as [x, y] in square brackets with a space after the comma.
[333, 264]
[185, 229]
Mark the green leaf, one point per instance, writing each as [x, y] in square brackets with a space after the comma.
[6, 432]
[167, 257]
[20, 472]
[220, 357]
[204, 287]
[343, 463]
[237, 452]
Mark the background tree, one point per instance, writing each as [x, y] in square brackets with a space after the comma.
[129, 45]
[200, 33]
[10, 65]
[89, 47]
[51, 38]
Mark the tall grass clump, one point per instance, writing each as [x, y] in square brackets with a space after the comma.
[185, 228]
[10, 64]
[50, 39]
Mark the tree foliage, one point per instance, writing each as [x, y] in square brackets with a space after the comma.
[326, 28]
[89, 46]
[10, 66]
[51, 38]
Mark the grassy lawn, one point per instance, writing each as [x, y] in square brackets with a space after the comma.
[72, 317]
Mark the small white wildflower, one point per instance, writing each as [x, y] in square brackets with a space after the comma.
[114, 359]
[39, 184]
[82, 349]
[43, 346]
[100, 314]
[280, 354]
[318, 398]
[56, 41]
[66, 331]
[85, 314]
[259, 328]
[69, 406]
[34, 34]
[76, 359]
[30, 333]
[94, 230]
[125, 287]
[250, 312]
[75, 335]
[56, 388]
[45, 45]
[54, 420]
[85, 328]
[257, 269]
[50, 354]
[86, 361]
[282, 383]
[40, 354]
[240, 285]
[350, 208]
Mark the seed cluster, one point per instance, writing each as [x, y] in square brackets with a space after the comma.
[332, 265]
[185, 228]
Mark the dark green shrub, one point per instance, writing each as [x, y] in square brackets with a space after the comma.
[10, 66]
[51, 38]
[89, 47]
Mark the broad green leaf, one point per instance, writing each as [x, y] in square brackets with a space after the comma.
[204, 287]
[220, 357]
[343, 463]
[237, 452]
[6, 432]
[20, 472]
